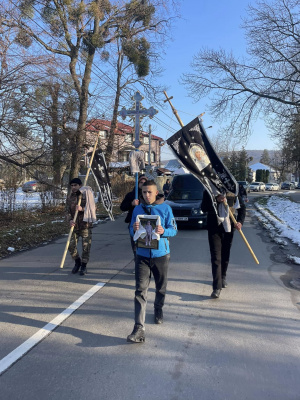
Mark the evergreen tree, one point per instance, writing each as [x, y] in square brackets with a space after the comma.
[259, 175]
[234, 169]
[242, 165]
[265, 158]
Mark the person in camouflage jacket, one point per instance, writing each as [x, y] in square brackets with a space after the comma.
[81, 228]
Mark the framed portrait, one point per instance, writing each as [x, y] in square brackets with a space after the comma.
[146, 237]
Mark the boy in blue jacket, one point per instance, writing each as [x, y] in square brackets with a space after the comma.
[155, 261]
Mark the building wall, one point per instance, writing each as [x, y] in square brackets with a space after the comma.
[123, 144]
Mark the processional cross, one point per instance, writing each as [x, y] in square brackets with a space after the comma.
[138, 113]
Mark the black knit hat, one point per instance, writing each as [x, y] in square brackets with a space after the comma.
[76, 180]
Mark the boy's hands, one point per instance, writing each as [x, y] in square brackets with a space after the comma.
[159, 229]
[238, 226]
[220, 198]
[136, 226]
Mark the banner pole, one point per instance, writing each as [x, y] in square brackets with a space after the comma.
[79, 202]
[173, 108]
[230, 212]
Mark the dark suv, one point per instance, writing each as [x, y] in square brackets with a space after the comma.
[185, 200]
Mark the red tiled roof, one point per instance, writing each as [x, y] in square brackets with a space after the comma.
[122, 129]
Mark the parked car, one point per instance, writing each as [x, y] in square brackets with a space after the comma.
[30, 186]
[298, 186]
[185, 200]
[272, 186]
[257, 187]
[262, 186]
[287, 185]
[245, 184]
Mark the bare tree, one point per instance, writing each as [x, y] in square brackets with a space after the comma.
[132, 67]
[76, 30]
[22, 144]
[266, 81]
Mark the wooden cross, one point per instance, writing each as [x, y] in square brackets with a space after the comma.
[137, 113]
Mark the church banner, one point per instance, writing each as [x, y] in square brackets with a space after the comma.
[193, 148]
[99, 171]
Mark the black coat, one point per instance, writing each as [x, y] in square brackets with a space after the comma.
[212, 221]
[126, 203]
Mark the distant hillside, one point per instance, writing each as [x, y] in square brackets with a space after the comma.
[256, 154]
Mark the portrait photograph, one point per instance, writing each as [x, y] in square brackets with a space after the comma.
[147, 237]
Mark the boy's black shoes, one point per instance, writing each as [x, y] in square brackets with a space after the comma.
[216, 294]
[224, 283]
[83, 269]
[76, 266]
[137, 335]
[158, 316]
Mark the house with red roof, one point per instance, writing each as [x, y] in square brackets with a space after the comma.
[123, 141]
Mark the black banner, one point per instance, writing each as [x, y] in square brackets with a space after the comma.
[193, 148]
[99, 170]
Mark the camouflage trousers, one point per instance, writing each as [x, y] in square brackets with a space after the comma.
[86, 235]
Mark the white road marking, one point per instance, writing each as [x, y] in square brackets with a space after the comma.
[25, 347]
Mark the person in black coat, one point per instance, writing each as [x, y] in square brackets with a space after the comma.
[167, 188]
[128, 204]
[220, 234]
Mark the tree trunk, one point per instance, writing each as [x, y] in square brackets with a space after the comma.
[113, 124]
[56, 151]
[79, 139]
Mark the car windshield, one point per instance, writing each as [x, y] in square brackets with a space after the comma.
[185, 195]
[255, 183]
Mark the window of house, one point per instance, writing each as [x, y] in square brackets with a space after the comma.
[103, 134]
[146, 156]
[152, 156]
[128, 138]
[146, 140]
[123, 156]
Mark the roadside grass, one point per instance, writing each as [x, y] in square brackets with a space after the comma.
[25, 229]
[29, 228]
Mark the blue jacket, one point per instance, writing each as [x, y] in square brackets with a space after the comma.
[167, 222]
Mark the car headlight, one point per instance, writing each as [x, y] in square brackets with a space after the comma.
[196, 211]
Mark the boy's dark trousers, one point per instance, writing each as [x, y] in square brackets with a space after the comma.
[220, 245]
[144, 266]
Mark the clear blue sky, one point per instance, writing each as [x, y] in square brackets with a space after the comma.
[214, 24]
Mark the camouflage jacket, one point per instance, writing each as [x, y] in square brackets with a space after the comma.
[72, 201]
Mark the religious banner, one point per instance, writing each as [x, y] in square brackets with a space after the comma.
[193, 148]
[99, 171]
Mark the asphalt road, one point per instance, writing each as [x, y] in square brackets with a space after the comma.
[243, 346]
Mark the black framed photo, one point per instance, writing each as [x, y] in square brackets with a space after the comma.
[146, 237]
